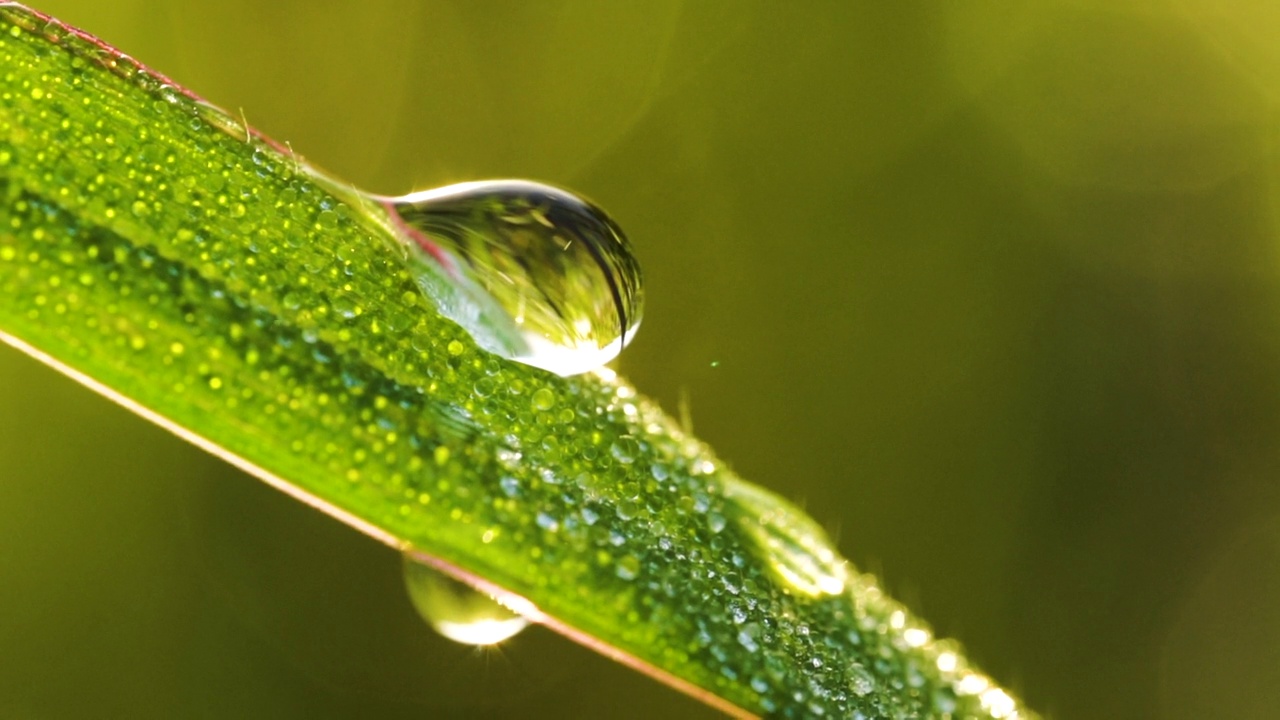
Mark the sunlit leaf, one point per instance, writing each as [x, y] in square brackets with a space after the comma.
[157, 250]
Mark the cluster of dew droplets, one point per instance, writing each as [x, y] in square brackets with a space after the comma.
[535, 274]
[545, 278]
[540, 276]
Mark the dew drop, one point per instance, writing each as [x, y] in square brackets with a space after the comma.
[510, 486]
[628, 567]
[55, 31]
[625, 449]
[544, 399]
[861, 683]
[534, 273]
[795, 547]
[456, 611]
[716, 522]
[547, 521]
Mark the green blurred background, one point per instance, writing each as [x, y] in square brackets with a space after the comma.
[993, 290]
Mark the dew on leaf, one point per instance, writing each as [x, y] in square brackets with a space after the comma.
[533, 272]
[544, 399]
[795, 548]
[581, 489]
[457, 611]
[628, 567]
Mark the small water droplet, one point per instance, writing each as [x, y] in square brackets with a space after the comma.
[625, 449]
[546, 521]
[628, 567]
[944, 699]
[861, 682]
[456, 611]
[795, 546]
[484, 387]
[534, 273]
[544, 399]
[627, 509]
[716, 522]
[54, 31]
[510, 486]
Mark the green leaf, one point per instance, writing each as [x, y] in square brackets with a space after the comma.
[157, 250]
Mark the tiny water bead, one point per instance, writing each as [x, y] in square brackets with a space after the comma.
[535, 273]
[456, 611]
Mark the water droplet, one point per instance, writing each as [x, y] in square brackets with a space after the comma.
[544, 399]
[510, 486]
[749, 637]
[55, 31]
[534, 273]
[628, 567]
[861, 683]
[546, 521]
[625, 449]
[716, 522]
[456, 611]
[795, 546]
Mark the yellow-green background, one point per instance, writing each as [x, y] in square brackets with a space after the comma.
[992, 288]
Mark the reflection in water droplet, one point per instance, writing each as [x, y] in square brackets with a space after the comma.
[533, 272]
[456, 611]
[795, 547]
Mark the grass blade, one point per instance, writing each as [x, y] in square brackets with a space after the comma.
[160, 252]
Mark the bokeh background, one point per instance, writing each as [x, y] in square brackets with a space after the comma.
[992, 288]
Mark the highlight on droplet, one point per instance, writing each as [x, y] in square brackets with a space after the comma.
[535, 273]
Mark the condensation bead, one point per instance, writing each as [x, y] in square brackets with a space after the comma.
[455, 610]
[533, 272]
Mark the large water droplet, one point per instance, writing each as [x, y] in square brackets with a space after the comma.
[457, 611]
[533, 272]
[796, 548]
